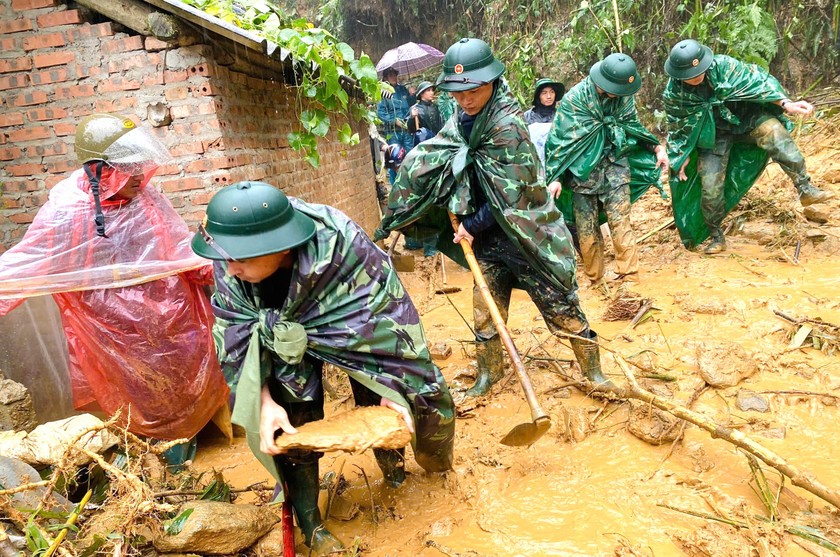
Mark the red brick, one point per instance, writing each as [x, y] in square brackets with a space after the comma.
[28, 99]
[36, 199]
[122, 45]
[202, 198]
[22, 218]
[88, 71]
[117, 84]
[66, 17]
[47, 150]
[29, 134]
[14, 81]
[51, 181]
[90, 31]
[73, 92]
[176, 93]
[62, 166]
[15, 25]
[9, 153]
[172, 76]
[49, 40]
[10, 203]
[21, 5]
[200, 69]
[199, 165]
[64, 129]
[53, 59]
[182, 184]
[153, 44]
[120, 104]
[8, 45]
[55, 75]
[41, 114]
[143, 60]
[24, 169]
[15, 65]
[168, 170]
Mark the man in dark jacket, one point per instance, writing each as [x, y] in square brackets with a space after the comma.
[424, 121]
[297, 285]
[483, 168]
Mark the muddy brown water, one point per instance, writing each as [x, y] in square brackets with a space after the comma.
[593, 496]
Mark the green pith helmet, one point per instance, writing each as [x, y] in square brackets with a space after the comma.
[559, 89]
[468, 64]
[96, 133]
[688, 59]
[250, 219]
[422, 87]
[616, 74]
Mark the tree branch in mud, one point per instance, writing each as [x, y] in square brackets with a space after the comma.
[800, 478]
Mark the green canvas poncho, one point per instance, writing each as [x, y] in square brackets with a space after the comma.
[586, 128]
[691, 124]
[500, 159]
[345, 306]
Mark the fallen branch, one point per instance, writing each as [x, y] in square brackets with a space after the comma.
[659, 228]
[798, 477]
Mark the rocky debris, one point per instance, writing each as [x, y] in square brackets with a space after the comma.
[215, 528]
[819, 213]
[352, 431]
[46, 444]
[16, 410]
[714, 539]
[747, 400]
[270, 545]
[652, 425]
[440, 351]
[14, 473]
[724, 364]
[572, 424]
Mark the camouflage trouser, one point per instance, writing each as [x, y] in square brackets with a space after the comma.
[771, 136]
[504, 269]
[434, 422]
[614, 196]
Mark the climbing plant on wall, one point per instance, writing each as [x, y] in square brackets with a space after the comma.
[324, 66]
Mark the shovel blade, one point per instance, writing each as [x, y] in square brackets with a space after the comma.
[525, 435]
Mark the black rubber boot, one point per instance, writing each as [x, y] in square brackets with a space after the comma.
[810, 194]
[717, 243]
[488, 356]
[303, 487]
[392, 464]
[589, 358]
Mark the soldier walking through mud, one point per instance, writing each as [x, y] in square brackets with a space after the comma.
[483, 167]
[733, 115]
[594, 145]
[297, 285]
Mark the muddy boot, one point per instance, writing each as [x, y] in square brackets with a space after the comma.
[303, 487]
[392, 464]
[717, 243]
[488, 356]
[810, 194]
[589, 358]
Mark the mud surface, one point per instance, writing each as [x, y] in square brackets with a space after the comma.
[591, 486]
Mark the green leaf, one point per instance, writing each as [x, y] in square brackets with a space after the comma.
[346, 51]
[173, 527]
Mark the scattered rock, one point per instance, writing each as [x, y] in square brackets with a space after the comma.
[724, 364]
[216, 528]
[818, 212]
[652, 425]
[271, 544]
[772, 433]
[46, 444]
[343, 508]
[748, 400]
[573, 424]
[441, 351]
[763, 233]
[14, 473]
[714, 539]
[16, 410]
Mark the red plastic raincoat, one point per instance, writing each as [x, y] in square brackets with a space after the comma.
[137, 321]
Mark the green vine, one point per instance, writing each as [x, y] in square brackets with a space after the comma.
[323, 65]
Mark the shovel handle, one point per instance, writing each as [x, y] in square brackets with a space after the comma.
[537, 413]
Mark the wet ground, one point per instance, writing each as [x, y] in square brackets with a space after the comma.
[589, 486]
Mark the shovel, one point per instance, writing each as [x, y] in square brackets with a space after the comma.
[524, 434]
[402, 263]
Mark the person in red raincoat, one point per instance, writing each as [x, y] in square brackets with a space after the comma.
[116, 258]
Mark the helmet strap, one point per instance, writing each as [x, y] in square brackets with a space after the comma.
[99, 217]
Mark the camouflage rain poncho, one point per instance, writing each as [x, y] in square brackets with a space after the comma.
[346, 306]
[588, 127]
[691, 124]
[499, 158]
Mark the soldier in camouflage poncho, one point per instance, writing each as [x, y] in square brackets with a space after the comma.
[598, 147]
[730, 114]
[298, 285]
[483, 167]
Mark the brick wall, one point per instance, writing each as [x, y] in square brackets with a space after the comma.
[56, 68]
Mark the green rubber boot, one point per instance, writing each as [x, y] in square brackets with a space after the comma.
[589, 358]
[303, 487]
[488, 356]
[392, 464]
